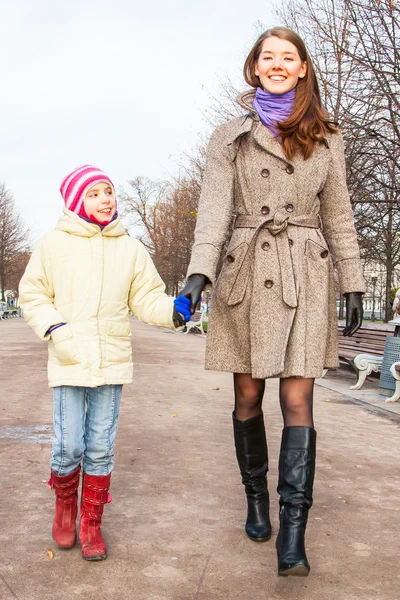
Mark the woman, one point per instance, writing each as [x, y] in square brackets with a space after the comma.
[279, 170]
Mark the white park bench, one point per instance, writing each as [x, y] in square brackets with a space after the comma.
[196, 323]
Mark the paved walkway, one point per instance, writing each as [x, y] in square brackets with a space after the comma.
[175, 526]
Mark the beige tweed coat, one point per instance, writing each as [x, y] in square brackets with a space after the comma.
[273, 307]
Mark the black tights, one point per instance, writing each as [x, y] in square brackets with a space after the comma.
[295, 396]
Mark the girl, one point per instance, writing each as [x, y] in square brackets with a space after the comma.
[76, 293]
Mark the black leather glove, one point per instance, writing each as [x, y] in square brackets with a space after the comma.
[354, 312]
[193, 288]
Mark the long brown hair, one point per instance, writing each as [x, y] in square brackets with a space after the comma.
[309, 122]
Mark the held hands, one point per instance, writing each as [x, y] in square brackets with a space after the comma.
[185, 303]
[181, 311]
[354, 313]
[192, 290]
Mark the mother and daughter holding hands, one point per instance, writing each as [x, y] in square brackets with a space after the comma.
[275, 191]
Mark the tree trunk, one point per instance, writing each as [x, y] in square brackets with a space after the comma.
[2, 287]
[389, 263]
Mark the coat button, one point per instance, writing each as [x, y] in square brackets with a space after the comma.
[324, 253]
[291, 242]
[265, 210]
[289, 207]
[265, 246]
[290, 169]
[265, 173]
[268, 283]
[230, 258]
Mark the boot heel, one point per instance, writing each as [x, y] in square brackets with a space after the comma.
[259, 538]
[299, 570]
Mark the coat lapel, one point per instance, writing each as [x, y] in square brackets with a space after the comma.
[241, 125]
[268, 142]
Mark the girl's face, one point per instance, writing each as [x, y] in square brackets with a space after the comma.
[279, 66]
[100, 203]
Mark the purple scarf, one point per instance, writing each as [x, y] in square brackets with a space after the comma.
[97, 223]
[273, 108]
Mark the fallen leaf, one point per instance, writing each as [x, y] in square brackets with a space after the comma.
[49, 553]
[175, 415]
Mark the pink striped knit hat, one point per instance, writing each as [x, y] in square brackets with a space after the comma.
[75, 185]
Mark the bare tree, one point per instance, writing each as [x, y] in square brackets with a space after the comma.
[223, 105]
[354, 47]
[14, 241]
[377, 26]
[140, 207]
[167, 212]
[192, 164]
[19, 264]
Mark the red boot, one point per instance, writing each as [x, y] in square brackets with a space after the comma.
[94, 496]
[66, 489]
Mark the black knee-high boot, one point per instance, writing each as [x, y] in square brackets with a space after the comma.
[295, 488]
[252, 456]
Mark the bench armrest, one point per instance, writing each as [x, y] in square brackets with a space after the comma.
[365, 364]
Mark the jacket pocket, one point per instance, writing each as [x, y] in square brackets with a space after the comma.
[318, 283]
[118, 342]
[318, 257]
[62, 347]
[229, 287]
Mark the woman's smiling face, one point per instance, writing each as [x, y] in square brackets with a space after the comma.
[279, 66]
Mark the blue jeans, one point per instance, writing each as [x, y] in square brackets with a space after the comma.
[85, 426]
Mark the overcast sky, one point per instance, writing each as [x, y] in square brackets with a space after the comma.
[120, 84]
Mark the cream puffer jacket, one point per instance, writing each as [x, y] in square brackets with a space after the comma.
[89, 279]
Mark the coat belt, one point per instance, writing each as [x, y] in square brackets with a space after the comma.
[277, 225]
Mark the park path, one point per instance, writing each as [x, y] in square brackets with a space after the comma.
[175, 526]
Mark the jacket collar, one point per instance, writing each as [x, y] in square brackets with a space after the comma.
[250, 121]
[73, 224]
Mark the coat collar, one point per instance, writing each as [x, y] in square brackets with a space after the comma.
[251, 121]
[73, 224]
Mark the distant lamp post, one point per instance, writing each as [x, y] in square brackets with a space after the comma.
[374, 279]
